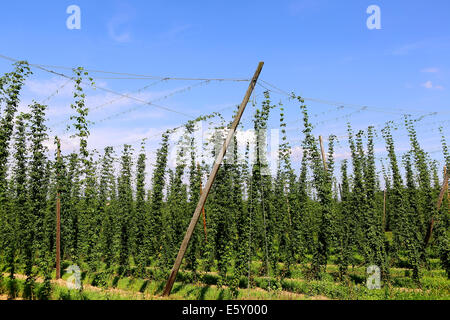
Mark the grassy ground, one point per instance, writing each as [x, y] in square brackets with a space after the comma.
[102, 286]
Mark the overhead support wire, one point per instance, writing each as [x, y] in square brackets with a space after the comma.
[349, 105]
[55, 92]
[116, 93]
[263, 84]
[135, 76]
[143, 102]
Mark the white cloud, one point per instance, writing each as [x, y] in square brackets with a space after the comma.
[430, 70]
[405, 49]
[121, 21]
[430, 44]
[48, 87]
[103, 105]
[122, 37]
[343, 155]
[296, 153]
[67, 144]
[429, 85]
[110, 136]
[174, 31]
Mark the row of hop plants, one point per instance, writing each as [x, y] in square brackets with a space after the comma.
[113, 222]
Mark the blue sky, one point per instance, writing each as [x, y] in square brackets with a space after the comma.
[319, 49]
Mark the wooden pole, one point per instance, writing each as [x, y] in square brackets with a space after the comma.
[439, 203]
[324, 157]
[203, 209]
[204, 196]
[58, 220]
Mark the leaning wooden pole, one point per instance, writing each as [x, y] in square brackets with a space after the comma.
[204, 196]
[203, 209]
[58, 219]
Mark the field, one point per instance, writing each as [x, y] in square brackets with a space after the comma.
[104, 286]
[309, 230]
